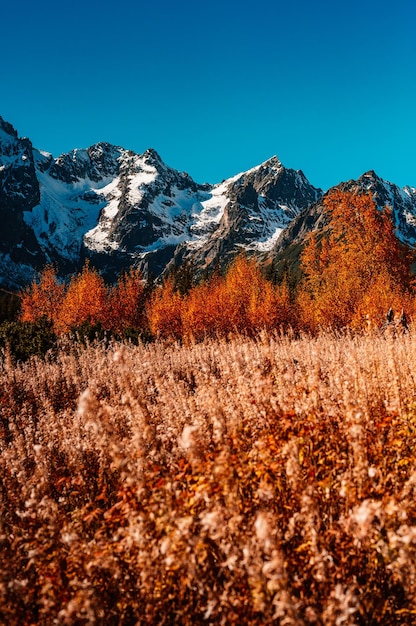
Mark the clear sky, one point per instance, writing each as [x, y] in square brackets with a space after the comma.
[218, 87]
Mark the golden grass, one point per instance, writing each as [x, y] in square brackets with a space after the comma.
[249, 481]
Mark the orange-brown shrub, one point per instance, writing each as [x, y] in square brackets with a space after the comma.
[242, 301]
[205, 311]
[253, 303]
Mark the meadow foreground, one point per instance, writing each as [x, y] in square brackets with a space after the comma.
[248, 481]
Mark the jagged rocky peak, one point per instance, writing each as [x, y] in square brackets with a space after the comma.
[164, 177]
[17, 171]
[105, 159]
[14, 146]
[270, 167]
[149, 162]
[279, 184]
[99, 161]
[267, 170]
[153, 158]
[368, 181]
[6, 130]
[254, 181]
[384, 192]
[369, 176]
[11, 144]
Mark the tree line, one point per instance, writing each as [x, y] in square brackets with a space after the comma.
[353, 271]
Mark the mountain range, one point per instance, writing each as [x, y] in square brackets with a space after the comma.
[120, 209]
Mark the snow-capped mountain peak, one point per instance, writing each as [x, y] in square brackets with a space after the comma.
[121, 209]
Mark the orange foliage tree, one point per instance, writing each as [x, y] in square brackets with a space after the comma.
[204, 311]
[243, 301]
[242, 288]
[164, 311]
[358, 268]
[85, 301]
[126, 302]
[43, 298]
[253, 303]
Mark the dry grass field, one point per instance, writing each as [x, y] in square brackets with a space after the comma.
[247, 481]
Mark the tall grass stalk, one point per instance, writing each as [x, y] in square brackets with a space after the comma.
[248, 481]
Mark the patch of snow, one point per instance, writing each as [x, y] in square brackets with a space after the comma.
[409, 193]
[97, 238]
[410, 218]
[162, 242]
[80, 154]
[207, 213]
[64, 214]
[267, 244]
[145, 175]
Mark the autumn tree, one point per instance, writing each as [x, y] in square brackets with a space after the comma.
[355, 264]
[164, 311]
[126, 301]
[253, 302]
[85, 301]
[43, 298]
[243, 301]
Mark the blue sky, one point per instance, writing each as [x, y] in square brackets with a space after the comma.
[218, 87]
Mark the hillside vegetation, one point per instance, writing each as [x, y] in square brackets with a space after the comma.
[269, 480]
[352, 274]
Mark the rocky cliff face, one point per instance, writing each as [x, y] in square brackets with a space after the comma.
[19, 191]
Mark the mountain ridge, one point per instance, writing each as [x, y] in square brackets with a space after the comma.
[119, 209]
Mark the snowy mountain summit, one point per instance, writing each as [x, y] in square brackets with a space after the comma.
[119, 209]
